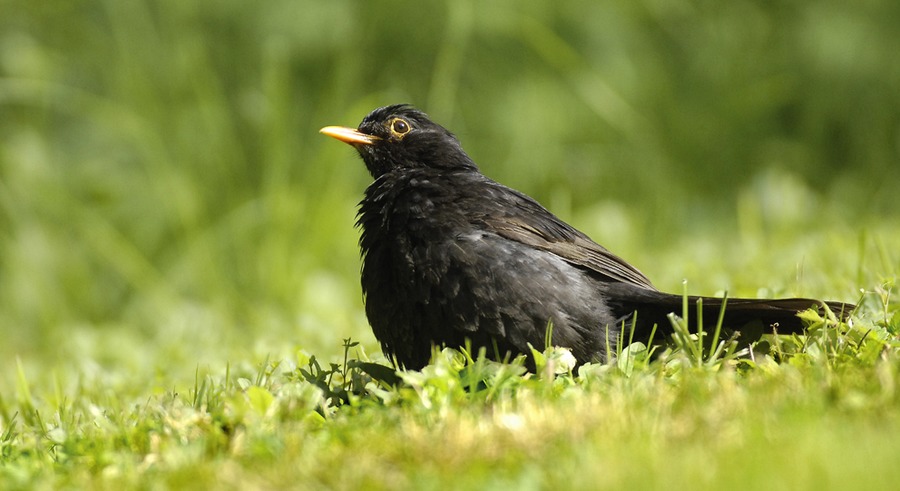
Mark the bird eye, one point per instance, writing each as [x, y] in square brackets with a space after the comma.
[399, 127]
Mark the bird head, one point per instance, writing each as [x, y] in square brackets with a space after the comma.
[399, 138]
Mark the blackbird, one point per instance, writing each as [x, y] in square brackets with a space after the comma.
[450, 256]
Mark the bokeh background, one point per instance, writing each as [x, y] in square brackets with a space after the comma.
[166, 200]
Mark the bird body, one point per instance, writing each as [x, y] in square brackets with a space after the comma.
[451, 256]
[434, 268]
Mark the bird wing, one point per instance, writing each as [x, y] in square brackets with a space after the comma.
[526, 221]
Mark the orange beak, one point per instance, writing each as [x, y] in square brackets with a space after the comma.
[349, 135]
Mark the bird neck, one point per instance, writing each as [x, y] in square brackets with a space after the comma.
[423, 196]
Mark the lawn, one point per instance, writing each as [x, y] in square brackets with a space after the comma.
[179, 292]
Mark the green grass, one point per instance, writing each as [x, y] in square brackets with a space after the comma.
[176, 240]
[825, 415]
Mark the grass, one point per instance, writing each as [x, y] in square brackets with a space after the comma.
[178, 264]
[825, 414]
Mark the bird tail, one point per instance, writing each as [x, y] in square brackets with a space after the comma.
[774, 315]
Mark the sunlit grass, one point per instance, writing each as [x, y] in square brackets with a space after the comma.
[683, 418]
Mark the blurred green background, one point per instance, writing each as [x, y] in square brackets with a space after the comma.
[165, 198]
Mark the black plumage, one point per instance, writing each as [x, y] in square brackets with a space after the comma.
[450, 255]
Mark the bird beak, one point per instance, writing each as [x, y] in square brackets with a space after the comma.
[349, 135]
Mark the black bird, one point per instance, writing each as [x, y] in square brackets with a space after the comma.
[449, 255]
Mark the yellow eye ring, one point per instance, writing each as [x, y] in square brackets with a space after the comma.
[399, 127]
